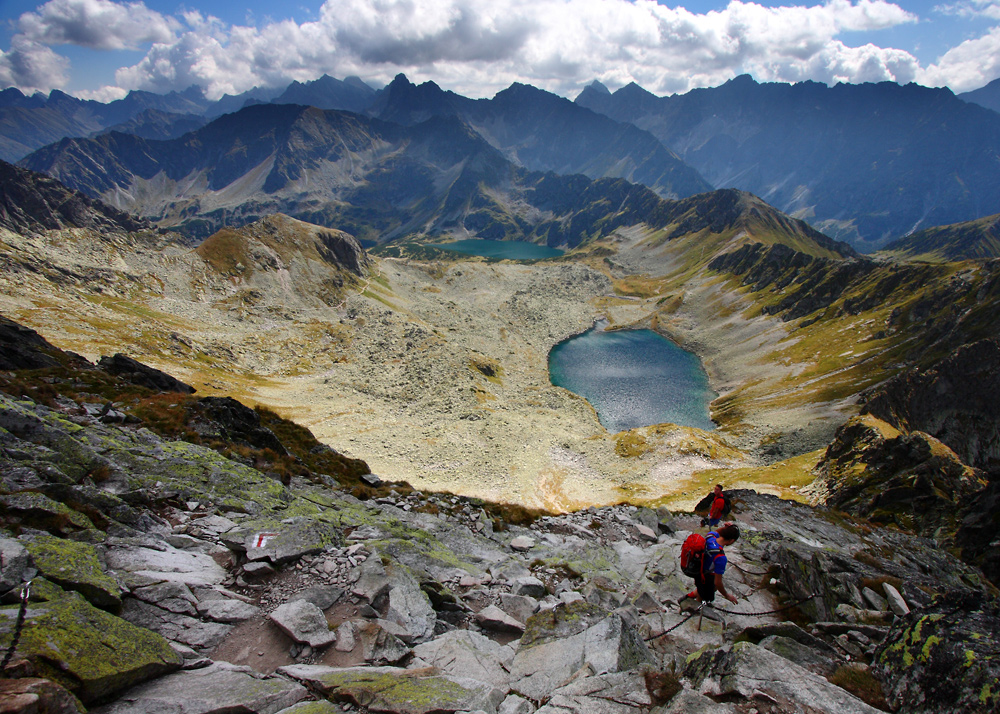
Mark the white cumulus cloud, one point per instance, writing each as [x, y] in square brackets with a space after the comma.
[478, 47]
[968, 66]
[32, 67]
[97, 24]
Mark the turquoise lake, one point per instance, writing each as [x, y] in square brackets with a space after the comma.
[633, 378]
[500, 249]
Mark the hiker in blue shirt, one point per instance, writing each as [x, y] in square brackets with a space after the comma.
[714, 565]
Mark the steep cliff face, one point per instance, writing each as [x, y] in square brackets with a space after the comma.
[957, 401]
[34, 202]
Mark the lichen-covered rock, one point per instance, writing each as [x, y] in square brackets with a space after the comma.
[89, 651]
[388, 689]
[38, 511]
[220, 687]
[747, 669]
[945, 659]
[74, 566]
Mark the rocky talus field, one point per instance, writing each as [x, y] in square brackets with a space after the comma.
[248, 567]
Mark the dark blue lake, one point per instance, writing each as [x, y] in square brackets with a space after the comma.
[633, 378]
[500, 249]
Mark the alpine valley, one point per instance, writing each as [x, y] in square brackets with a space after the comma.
[267, 448]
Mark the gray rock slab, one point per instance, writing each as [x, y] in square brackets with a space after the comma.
[615, 693]
[169, 564]
[468, 654]
[15, 561]
[750, 668]
[896, 602]
[520, 607]
[303, 622]
[346, 637]
[229, 611]
[373, 582]
[688, 701]
[609, 645]
[516, 705]
[322, 596]
[528, 586]
[495, 619]
[794, 651]
[408, 603]
[220, 687]
[522, 544]
[390, 689]
[171, 596]
[379, 646]
[175, 627]
[874, 600]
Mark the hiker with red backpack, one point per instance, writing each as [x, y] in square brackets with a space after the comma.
[704, 559]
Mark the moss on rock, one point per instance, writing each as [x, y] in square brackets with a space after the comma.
[74, 566]
[90, 652]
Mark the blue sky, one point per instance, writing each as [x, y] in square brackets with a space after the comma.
[102, 48]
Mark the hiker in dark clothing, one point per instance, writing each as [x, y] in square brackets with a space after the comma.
[718, 505]
[714, 563]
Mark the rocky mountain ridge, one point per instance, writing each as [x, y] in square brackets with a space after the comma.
[178, 579]
[863, 163]
[804, 148]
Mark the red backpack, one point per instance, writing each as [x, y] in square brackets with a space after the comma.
[693, 555]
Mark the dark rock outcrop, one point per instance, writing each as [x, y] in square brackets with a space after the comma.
[142, 375]
[944, 659]
[957, 401]
[23, 348]
[31, 201]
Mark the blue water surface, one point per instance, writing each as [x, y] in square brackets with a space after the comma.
[500, 249]
[633, 378]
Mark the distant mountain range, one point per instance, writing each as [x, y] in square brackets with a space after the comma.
[988, 96]
[863, 163]
[380, 181]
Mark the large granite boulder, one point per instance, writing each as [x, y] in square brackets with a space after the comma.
[165, 563]
[613, 693]
[304, 623]
[746, 669]
[464, 653]
[558, 643]
[220, 687]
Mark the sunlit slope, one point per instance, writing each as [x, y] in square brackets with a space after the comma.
[971, 240]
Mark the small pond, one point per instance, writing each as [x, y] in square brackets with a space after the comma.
[500, 249]
[633, 378]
